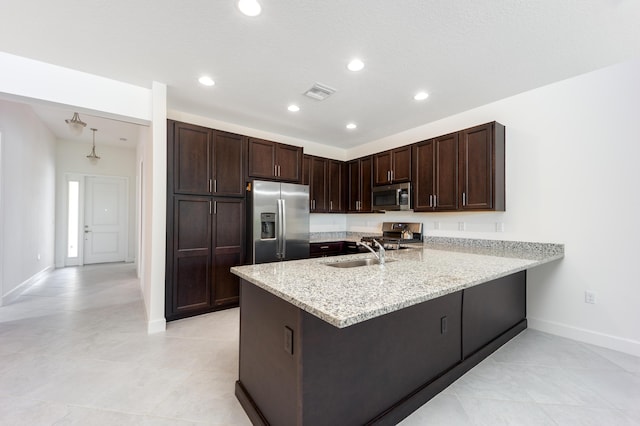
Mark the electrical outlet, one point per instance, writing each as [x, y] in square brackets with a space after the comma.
[436, 225]
[288, 340]
[461, 226]
[590, 297]
[499, 227]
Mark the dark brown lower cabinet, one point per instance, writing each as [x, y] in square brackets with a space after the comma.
[296, 369]
[205, 238]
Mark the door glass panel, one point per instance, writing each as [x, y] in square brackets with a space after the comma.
[72, 223]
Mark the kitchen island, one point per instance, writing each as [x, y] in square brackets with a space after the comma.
[370, 344]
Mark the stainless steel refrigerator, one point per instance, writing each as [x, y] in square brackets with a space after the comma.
[280, 221]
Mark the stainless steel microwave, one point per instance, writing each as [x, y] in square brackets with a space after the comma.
[392, 197]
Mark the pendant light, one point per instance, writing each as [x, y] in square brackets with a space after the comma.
[93, 156]
[75, 124]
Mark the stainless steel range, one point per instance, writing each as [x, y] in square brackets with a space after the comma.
[395, 234]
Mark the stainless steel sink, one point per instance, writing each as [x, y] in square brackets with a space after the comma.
[358, 262]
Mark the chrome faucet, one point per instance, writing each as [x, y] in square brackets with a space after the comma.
[379, 255]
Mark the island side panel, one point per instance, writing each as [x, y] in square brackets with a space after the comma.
[269, 376]
[491, 309]
[352, 375]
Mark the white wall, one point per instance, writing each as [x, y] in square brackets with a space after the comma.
[114, 161]
[28, 198]
[572, 152]
[34, 81]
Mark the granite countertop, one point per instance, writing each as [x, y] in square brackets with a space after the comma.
[347, 296]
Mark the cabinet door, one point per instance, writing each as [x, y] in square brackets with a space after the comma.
[306, 170]
[318, 190]
[190, 285]
[382, 168]
[365, 184]
[446, 172]
[289, 162]
[228, 248]
[476, 168]
[424, 175]
[261, 159]
[191, 159]
[353, 185]
[336, 186]
[228, 164]
[401, 164]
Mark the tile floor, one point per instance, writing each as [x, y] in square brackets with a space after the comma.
[74, 351]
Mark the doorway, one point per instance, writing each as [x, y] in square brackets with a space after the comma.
[97, 219]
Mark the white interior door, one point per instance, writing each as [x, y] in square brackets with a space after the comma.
[105, 220]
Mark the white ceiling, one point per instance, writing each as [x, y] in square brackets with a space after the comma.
[465, 53]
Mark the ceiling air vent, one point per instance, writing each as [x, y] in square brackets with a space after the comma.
[319, 92]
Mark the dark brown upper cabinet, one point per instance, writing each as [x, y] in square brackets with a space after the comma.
[461, 171]
[205, 161]
[274, 161]
[482, 167]
[325, 178]
[315, 174]
[393, 166]
[435, 174]
[359, 184]
[337, 187]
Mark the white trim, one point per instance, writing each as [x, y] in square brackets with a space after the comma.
[156, 326]
[616, 343]
[13, 295]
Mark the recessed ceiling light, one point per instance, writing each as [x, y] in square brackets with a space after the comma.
[249, 7]
[355, 65]
[421, 96]
[351, 126]
[206, 81]
[293, 108]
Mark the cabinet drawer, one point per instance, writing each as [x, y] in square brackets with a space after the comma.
[334, 248]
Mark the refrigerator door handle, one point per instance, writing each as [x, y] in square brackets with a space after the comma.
[279, 234]
[283, 227]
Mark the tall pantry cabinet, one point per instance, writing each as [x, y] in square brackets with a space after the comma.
[205, 219]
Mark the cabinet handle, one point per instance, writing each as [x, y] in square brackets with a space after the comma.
[279, 174]
[464, 199]
[215, 185]
[330, 205]
[324, 247]
[215, 207]
[209, 185]
[275, 170]
[435, 201]
[391, 174]
[209, 207]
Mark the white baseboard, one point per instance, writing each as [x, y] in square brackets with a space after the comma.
[13, 295]
[156, 326]
[608, 341]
